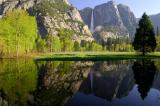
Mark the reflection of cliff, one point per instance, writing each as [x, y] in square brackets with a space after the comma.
[144, 72]
[156, 83]
[109, 80]
[59, 81]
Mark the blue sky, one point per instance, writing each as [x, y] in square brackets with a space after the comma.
[137, 6]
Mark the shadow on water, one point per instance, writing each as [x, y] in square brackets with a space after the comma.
[144, 72]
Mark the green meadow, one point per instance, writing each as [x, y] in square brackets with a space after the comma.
[95, 56]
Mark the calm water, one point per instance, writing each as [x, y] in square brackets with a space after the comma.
[81, 83]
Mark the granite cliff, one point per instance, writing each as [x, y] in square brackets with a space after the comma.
[51, 16]
[110, 20]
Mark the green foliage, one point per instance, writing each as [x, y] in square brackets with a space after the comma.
[18, 33]
[157, 31]
[118, 45]
[76, 46]
[109, 44]
[90, 46]
[56, 44]
[53, 43]
[40, 44]
[66, 40]
[2, 47]
[158, 43]
[18, 78]
[144, 40]
[96, 47]
[52, 7]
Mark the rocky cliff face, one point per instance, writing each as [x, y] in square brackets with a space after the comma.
[8, 5]
[156, 21]
[128, 18]
[86, 14]
[108, 18]
[107, 14]
[111, 20]
[59, 14]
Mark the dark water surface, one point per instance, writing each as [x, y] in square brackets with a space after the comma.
[80, 83]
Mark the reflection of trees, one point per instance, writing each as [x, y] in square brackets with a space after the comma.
[3, 98]
[17, 79]
[144, 72]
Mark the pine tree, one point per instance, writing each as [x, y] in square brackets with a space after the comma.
[144, 40]
[157, 31]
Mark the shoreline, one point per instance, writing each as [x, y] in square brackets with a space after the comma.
[91, 56]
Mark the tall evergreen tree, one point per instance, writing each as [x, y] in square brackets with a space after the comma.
[144, 40]
[157, 31]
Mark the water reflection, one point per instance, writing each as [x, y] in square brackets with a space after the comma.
[55, 83]
[115, 83]
[144, 72]
[58, 81]
[17, 79]
[108, 80]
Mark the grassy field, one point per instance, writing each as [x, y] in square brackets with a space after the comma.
[95, 56]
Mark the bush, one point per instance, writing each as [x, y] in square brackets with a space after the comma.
[56, 44]
[65, 36]
[40, 44]
[76, 46]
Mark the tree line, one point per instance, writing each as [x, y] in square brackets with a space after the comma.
[19, 35]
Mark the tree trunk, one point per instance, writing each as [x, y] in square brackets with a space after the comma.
[17, 45]
[143, 53]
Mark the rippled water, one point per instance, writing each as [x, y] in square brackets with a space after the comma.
[83, 83]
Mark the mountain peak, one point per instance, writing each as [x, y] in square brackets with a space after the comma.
[123, 6]
[87, 8]
[112, 18]
[111, 2]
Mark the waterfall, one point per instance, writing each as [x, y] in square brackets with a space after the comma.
[92, 22]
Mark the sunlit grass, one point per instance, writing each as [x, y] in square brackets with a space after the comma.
[95, 56]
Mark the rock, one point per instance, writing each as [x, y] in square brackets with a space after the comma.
[47, 23]
[110, 20]
[86, 14]
[9, 5]
[156, 21]
[128, 18]
[107, 21]
[66, 1]
[107, 14]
